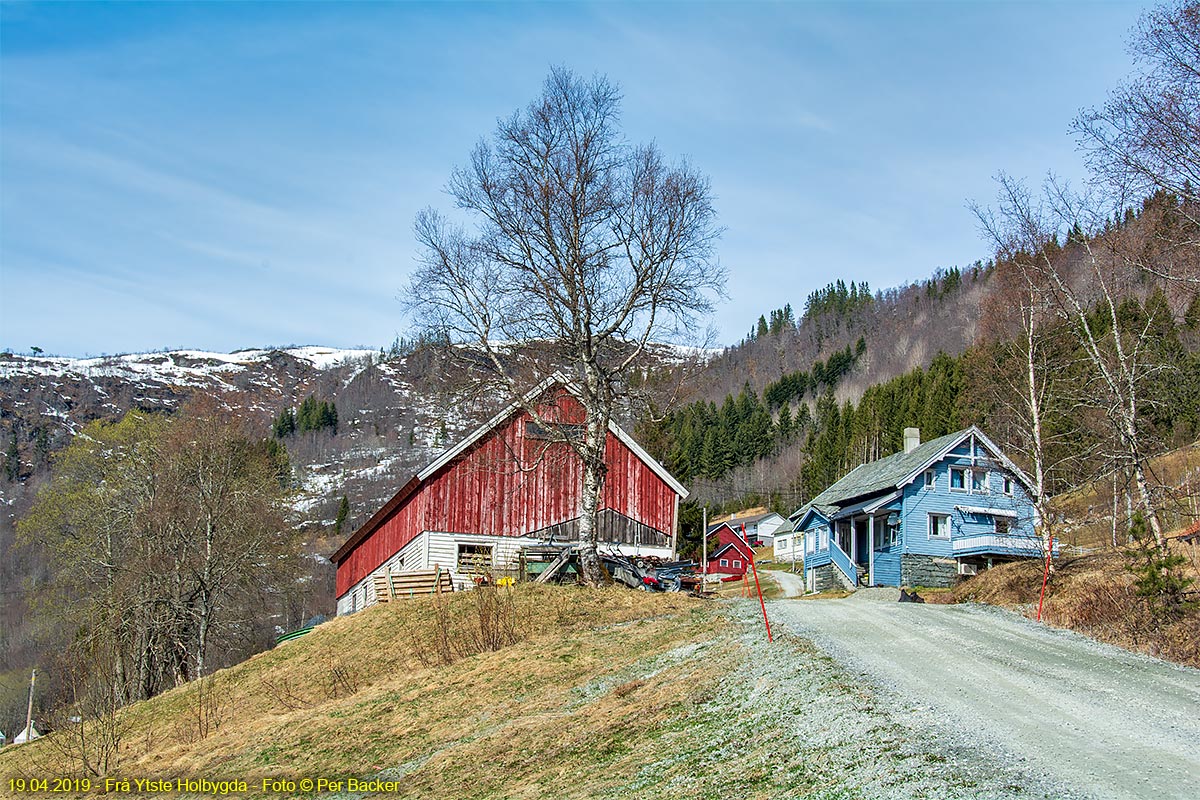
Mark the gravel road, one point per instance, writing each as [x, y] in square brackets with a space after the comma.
[791, 584]
[1098, 720]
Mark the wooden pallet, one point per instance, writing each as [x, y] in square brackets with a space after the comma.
[404, 585]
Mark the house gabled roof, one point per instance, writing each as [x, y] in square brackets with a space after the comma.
[897, 470]
[750, 520]
[736, 546]
[413, 483]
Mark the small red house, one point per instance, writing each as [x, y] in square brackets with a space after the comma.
[733, 554]
[506, 486]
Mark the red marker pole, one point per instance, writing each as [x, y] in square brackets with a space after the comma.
[1045, 580]
[761, 602]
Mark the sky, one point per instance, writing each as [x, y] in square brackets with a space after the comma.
[232, 175]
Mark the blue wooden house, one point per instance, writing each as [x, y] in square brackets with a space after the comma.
[921, 517]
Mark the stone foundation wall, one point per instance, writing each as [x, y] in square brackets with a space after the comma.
[918, 570]
[824, 579]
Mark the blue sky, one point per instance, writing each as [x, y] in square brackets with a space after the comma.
[230, 175]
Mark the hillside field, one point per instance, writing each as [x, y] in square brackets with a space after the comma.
[609, 693]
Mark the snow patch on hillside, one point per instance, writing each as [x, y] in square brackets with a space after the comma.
[185, 367]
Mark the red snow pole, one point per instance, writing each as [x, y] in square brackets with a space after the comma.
[761, 602]
[1045, 580]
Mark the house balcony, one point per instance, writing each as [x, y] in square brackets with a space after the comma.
[1000, 544]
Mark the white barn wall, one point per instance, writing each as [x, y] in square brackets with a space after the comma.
[432, 549]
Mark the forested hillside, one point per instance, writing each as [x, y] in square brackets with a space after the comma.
[779, 439]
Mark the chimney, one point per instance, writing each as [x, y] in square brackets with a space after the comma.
[912, 439]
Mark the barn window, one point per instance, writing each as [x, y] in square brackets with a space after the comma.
[939, 526]
[556, 432]
[737, 564]
[724, 562]
[475, 557]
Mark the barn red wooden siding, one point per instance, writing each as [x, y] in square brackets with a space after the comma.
[508, 485]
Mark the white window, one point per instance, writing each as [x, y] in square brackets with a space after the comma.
[930, 478]
[824, 538]
[1008, 485]
[810, 541]
[724, 562]
[1002, 525]
[958, 479]
[939, 526]
[475, 558]
[783, 544]
[737, 564]
[979, 481]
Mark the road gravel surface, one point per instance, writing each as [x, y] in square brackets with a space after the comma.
[1101, 721]
[791, 584]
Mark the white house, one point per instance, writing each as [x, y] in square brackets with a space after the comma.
[759, 527]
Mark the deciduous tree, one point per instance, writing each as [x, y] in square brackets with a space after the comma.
[577, 241]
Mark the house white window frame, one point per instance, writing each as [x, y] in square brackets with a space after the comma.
[931, 527]
[1008, 485]
[997, 522]
[784, 543]
[824, 534]
[966, 480]
[810, 541]
[930, 479]
[736, 564]
[478, 550]
[983, 486]
[724, 562]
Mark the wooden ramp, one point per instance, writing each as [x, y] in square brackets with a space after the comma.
[404, 585]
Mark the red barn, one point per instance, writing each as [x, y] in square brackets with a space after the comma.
[733, 553]
[505, 486]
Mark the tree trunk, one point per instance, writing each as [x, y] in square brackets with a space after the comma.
[1041, 502]
[594, 468]
[205, 596]
[595, 465]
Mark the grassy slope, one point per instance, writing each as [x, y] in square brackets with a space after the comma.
[617, 694]
[1089, 510]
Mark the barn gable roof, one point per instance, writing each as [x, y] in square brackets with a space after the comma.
[410, 487]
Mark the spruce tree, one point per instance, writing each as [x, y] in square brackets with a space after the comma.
[12, 460]
[342, 513]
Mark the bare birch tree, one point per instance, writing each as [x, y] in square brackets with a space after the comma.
[1086, 296]
[576, 241]
[1024, 377]
[1146, 138]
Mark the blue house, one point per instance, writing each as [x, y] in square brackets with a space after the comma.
[921, 517]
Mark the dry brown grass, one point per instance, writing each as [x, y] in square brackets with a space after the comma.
[1092, 595]
[354, 697]
[1090, 509]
